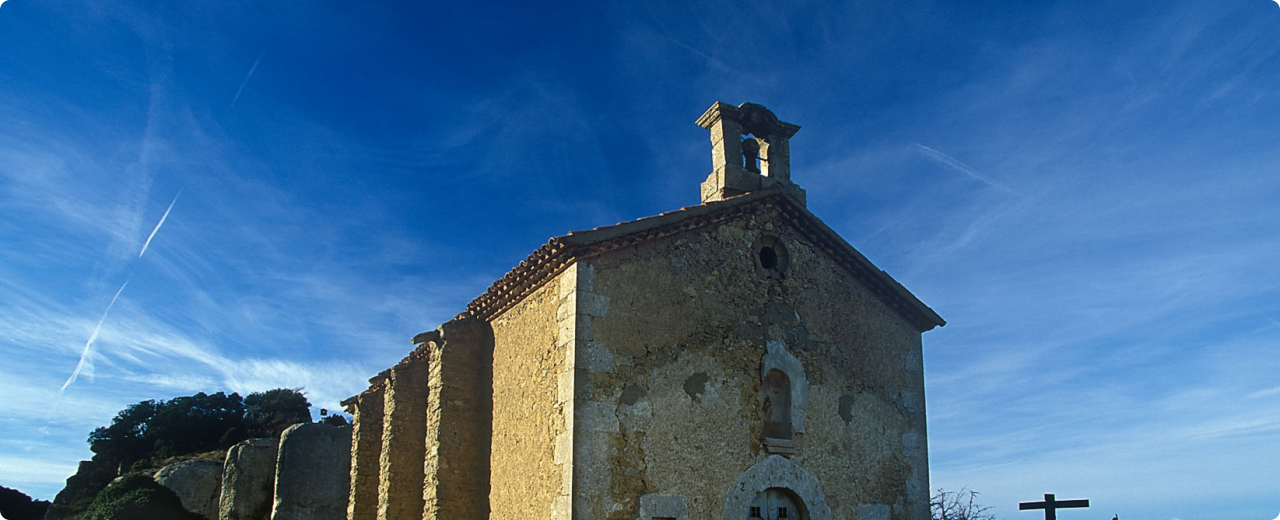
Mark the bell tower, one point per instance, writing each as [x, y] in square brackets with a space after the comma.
[760, 160]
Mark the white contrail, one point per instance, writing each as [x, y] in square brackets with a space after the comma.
[955, 164]
[158, 224]
[84, 355]
[246, 79]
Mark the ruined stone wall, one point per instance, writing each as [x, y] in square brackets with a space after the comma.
[529, 416]
[669, 384]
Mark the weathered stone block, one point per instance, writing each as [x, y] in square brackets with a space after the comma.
[197, 484]
[248, 480]
[312, 473]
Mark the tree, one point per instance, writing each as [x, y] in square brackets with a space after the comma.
[949, 505]
[125, 439]
[335, 420]
[196, 423]
[155, 429]
[269, 413]
[148, 431]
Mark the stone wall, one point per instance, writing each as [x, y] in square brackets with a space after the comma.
[530, 422]
[668, 397]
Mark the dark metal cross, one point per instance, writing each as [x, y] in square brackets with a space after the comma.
[1050, 506]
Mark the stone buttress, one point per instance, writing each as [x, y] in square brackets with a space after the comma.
[414, 449]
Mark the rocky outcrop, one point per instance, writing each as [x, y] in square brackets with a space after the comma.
[90, 478]
[313, 473]
[196, 482]
[248, 480]
[16, 505]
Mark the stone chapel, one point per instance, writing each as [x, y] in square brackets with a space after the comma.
[732, 360]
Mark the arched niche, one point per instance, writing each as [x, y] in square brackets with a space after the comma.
[775, 399]
[777, 358]
[773, 478]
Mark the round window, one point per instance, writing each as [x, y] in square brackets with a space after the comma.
[771, 256]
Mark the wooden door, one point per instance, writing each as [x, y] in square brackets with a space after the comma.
[774, 504]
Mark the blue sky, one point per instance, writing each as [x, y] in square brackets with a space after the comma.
[1087, 191]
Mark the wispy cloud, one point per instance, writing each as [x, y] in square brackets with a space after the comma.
[717, 63]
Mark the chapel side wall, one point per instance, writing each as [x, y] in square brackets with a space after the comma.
[669, 401]
[529, 415]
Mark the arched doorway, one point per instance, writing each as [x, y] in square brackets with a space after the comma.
[776, 504]
[772, 483]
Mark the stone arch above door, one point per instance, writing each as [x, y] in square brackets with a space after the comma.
[775, 471]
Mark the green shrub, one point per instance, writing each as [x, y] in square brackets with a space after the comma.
[140, 465]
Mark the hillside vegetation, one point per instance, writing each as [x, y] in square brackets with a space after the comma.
[146, 435]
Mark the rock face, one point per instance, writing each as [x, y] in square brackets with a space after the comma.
[248, 480]
[313, 473]
[90, 477]
[196, 482]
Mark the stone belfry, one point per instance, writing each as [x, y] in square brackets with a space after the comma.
[741, 165]
[734, 360]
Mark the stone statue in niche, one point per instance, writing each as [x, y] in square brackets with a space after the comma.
[776, 402]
